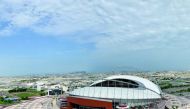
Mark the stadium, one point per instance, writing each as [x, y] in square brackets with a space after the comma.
[117, 92]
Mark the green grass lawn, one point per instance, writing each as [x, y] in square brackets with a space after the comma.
[26, 95]
[4, 103]
[7, 103]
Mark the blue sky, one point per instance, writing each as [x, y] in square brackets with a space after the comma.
[45, 36]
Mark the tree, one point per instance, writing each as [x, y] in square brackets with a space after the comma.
[1, 98]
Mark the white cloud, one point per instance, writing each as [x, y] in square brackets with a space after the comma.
[119, 25]
[5, 32]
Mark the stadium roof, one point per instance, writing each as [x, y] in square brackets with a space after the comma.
[143, 82]
[146, 89]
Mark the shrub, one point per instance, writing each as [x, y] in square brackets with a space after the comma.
[1, 98]
[24, 98]
[188, 89]
[17, 90]
[42, 93]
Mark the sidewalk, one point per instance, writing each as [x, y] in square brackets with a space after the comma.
[55, 104]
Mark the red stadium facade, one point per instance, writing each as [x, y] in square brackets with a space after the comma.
[79, 102]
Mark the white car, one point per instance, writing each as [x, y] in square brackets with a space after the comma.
[122, 106]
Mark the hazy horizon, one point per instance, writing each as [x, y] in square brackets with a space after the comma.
[93, 36]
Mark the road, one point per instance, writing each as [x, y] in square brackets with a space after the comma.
[36, 103]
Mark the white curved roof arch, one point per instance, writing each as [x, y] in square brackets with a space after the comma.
[149, 90]
[141, 81]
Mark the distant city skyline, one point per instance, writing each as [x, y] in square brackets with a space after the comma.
[93, 36]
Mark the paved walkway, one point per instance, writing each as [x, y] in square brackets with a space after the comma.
[38, 103]
[55, 104]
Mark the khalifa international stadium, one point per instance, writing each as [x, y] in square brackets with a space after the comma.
[117, 92]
